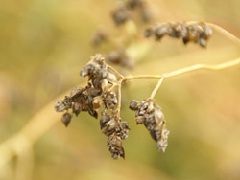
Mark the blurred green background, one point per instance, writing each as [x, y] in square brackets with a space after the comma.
[44, 44]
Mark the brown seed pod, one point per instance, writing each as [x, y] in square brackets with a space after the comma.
[66, 118]
[150, 114]
[115, 147]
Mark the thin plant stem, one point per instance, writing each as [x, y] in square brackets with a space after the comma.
[156, 88]
[119, 97]
[220, 30]
[185, 70]
[116, 72]
[224, 32]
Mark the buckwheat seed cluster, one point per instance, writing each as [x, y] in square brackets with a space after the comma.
[198, 33]
[116, 130]
[150, 115]
[96, 94]
[123, 12]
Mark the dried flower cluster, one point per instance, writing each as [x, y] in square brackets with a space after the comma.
[102, 94]
[116, 130]
[123, 11]
[198, 33]
[95, 94]
[150, 114]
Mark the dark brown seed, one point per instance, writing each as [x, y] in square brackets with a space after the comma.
[77, 108]
[66, 119]
[134, 105]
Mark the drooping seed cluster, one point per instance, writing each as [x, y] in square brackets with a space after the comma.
[198, 33]
[96, 94]
[116, 130]
[123, 11]
[150, 114]
[80, 99]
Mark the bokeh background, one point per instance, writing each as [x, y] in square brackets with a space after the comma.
[44, 44]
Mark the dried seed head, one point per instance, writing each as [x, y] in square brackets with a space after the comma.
[112, 124]
[134, 105]
[150, 114]
[198, 33]
[115, 147]
[161, 30]
[175, 30]
[105, 118]
[76, 92]
[95, 67]
[66, 119]
[123, 130]
[63, 105]
[116, 130]
[110, 100]
[141, 7]
[162, 139]
[97, 71]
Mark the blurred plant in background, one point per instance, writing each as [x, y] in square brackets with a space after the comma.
[44, 44]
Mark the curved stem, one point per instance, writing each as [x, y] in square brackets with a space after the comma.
[187, 70]
[224, 32]
[116, 72]
[220, 30]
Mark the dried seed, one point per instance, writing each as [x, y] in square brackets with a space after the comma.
[66, 119]
[77, 108]
[134, 105]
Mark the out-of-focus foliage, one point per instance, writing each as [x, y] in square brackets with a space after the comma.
[44, 44]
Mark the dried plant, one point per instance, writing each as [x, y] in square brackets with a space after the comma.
[100, 97]
[104, 90]
[102, 93]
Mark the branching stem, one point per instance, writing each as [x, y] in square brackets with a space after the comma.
[116, 72]
[38, 125]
